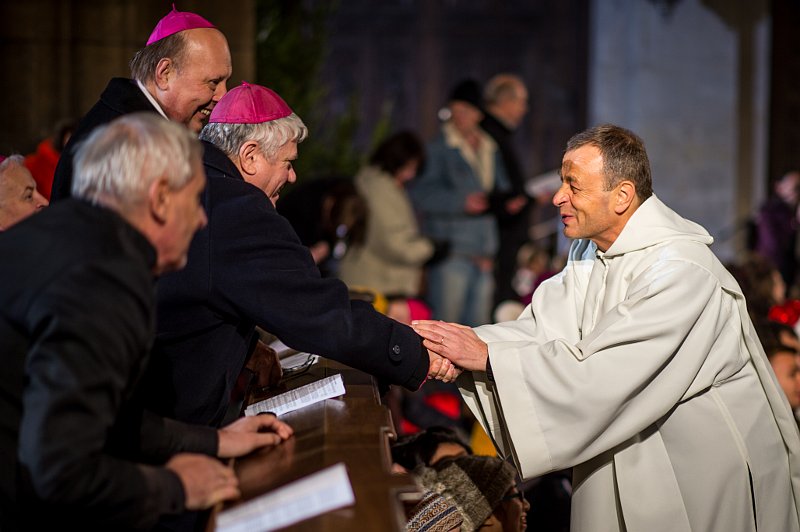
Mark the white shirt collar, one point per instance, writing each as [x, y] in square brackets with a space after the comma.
[152, 100]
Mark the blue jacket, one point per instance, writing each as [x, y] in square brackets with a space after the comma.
[439, 193]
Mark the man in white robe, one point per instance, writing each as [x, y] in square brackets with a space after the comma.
[637, 365]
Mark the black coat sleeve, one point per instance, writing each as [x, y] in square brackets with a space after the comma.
[141, 435]
[261, 269]
[94, 329]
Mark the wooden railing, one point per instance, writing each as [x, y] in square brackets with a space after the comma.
[356, 430]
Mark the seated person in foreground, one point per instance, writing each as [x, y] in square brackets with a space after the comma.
[76, 324]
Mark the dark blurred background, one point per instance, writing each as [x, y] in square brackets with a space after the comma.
[711, 85]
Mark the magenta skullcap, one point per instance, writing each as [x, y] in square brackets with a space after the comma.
[176, 21]
[249, 104]
[2, 158]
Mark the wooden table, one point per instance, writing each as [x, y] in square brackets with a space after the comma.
[355, 429]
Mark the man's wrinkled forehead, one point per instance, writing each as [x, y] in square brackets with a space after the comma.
[16, 177]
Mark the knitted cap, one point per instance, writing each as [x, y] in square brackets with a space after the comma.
[434, 513]
[475, 484]
[176, 21]
[249, 104]
[2, 158]
[468, 91]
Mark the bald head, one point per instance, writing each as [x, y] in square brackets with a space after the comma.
[186, 73]
[506, 98]
[18, 195]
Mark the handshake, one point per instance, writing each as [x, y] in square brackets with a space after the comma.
[452, 348]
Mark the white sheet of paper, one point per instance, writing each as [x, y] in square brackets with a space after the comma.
[292, 400]
[313, 495]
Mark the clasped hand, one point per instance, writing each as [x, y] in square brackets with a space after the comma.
[457, 344]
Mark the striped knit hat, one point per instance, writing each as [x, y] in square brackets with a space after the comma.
[475, 484]
[434, 513]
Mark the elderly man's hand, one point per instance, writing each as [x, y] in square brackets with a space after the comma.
[457, 343]
[265, 364]
[249, 433]
[205, 480]
[442, 369]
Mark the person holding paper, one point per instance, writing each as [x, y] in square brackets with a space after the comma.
[76, 324]
[637, 366]
[248, 268]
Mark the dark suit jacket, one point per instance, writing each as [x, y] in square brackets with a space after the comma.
[122, 96]
[248, 268]
[516, 179]
[76, 325]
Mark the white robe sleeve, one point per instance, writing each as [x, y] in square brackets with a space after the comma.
[563, 400]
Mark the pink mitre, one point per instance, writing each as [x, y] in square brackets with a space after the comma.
[176, 21]
[249, 104]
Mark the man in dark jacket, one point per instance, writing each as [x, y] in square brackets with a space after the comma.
[506, 102]
[248, 268]
[76, 324]
[180, 74]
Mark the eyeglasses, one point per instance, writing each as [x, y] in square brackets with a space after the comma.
[515, 495]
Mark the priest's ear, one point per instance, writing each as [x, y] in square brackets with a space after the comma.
[249, 152]
[626, 196]
[164, 70]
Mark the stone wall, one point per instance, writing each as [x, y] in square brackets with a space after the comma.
[691, 78]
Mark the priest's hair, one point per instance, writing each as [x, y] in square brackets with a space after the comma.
[271, 136]
[119, 161]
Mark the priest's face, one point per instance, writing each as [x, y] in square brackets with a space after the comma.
[586, 207]
[272, 174]
[190, 91]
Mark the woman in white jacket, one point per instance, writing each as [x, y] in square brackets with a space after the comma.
[390, 260]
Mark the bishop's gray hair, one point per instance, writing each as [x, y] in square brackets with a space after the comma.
[119, 161]
[271, 136]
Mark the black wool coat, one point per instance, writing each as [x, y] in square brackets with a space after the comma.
[120, 97]
[248, 268]
[77, 321]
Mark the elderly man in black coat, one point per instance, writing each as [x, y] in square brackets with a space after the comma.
[248, 268]
[506, 102]
[76, 324]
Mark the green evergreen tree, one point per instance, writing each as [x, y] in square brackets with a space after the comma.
[290, 51]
